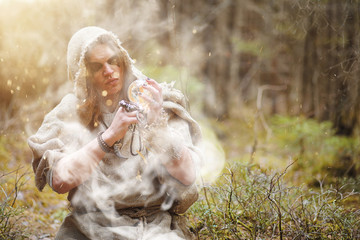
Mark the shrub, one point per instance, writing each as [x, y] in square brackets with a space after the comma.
[252, 204]
[10, 213]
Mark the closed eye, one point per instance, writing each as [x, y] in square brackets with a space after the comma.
[94, 66]
[114, 60]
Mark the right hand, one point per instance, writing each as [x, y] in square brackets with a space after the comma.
[119, 126]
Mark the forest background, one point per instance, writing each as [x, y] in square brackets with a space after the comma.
[274, 84]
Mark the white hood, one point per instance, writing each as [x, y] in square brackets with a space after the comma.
[77, 49]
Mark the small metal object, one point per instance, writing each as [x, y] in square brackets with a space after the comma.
[131, 107]
[140, 115]
[117, 146]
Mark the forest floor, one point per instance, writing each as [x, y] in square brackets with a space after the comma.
[38, 215]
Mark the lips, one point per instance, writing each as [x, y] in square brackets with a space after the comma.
[112, 81]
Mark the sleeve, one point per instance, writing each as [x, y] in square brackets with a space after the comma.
[185, 195]
[56, 137]
[183, 129]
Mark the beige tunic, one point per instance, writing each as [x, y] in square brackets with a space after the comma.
[126, 198]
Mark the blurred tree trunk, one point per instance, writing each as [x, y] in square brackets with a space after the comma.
[343, 30]
[212, 23]
[329, 82]
[217, 68]
[345, 112]
[309, 68]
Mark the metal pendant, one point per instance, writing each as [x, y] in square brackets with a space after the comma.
[117, 147]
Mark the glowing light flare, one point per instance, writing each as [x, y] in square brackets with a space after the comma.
[45, 80]
[104, 93]
[214, 160]
[213, 157]
[109, 102]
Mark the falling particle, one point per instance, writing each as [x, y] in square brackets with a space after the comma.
[96, 124]
[116, 75]
[12, 91]
[1, 59]
[104, 93]
[9, 82]
[194, 31]
[77, 106]
[209, 54]
[27, 120]
[18, 88]
[109, 102]
[158, 52]
[138, 177]
[142, 156]
[33, 86]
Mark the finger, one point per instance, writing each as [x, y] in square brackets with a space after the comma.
[154, 83]
[131, 114]
[155, 93]
[122, 115]
[153, 103]
[131, 120]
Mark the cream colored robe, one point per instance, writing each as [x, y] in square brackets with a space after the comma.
[125, 198]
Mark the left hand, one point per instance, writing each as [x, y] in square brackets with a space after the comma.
[155, 101]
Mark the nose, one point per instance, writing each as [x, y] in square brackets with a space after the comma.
[107, 69]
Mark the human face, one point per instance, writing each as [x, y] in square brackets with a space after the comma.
[104, 65]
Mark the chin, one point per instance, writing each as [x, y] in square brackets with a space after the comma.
[115, 90]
